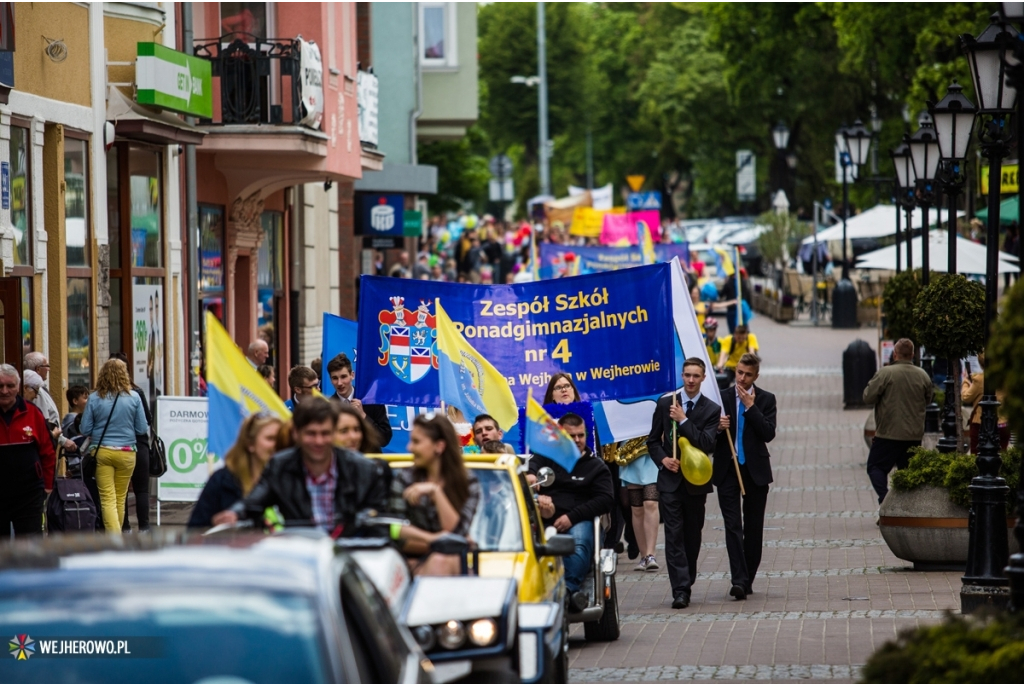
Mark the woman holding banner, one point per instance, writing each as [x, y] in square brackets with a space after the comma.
[243, 466]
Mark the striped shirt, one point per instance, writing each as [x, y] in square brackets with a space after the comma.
[321, 495]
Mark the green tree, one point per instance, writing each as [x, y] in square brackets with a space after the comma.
[462, 173]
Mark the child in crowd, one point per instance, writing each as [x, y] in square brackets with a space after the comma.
[78, 397]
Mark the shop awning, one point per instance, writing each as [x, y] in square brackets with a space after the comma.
[970, 257]
[414, 179]
[1009, 211]
[137, 122]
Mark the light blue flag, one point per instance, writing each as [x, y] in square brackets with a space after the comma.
[340, 335]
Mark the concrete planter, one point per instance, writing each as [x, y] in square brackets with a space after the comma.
[923, 527]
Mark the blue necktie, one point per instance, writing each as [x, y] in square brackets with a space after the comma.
[739, 434]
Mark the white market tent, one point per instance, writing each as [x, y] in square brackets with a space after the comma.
[877, 222]
[970, 256]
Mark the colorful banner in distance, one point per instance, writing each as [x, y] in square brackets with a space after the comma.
[620, 229]
[612, 331]
[595, 259]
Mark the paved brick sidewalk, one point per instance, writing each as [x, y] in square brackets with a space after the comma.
[828, 592]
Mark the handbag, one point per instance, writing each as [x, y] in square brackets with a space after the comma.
[157, 456]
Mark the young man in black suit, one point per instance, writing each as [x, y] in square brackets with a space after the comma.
[681, 502]
[750, 420]
[342, 375]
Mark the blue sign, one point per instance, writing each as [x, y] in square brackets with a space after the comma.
[5, 185]
[340, 336]
[557, 261]
[612, 331]
[380, 214]
[650, 199]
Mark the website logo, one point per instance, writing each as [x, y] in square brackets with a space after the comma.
[22, 647]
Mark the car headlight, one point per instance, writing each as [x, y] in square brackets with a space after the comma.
[483, 632]
[451, 635]
[424, 636]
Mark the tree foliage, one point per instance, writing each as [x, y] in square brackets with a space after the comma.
[672, 90]
[1004, 360]
[898, 299]
[950, 316]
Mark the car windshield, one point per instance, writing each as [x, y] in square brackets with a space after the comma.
[181, 635]
[496, 526]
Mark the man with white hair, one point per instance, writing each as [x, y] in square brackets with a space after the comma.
[28, 459]
[257, 353]
[37, 361]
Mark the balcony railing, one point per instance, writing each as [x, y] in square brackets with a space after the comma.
[260, 79]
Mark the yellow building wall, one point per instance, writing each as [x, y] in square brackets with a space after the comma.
[34, 71]
[122, 37]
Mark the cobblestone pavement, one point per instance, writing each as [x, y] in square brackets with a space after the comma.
[829, 592]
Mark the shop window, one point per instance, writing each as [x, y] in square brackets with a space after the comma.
[26, 314]
[437, 34]
[243, 19]
[114, 317]
[148, 370]
[211, 260]
[21, 194]
[269, 275]
[76, 222]
[79, 327]
[146, 220]
[114, 207]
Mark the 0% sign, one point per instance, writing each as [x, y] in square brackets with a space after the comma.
[186, 454]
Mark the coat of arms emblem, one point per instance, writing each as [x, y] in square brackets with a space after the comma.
[408, 340]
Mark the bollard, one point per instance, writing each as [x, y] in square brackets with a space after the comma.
[859, 366]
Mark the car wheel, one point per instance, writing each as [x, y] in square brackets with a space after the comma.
[606, 629]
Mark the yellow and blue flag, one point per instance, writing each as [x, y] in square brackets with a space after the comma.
[643, 235]
[548, 439]
[235, 388]
[724, 264]
[467, 380]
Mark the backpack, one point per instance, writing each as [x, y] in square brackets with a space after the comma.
[70, 508]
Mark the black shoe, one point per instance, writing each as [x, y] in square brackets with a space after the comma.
[619, 547]
[738, 591]
[633, 552]
[579, 601]
[749, 589]
[681, 602]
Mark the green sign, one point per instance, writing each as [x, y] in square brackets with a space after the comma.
[412, 225]
[173, 80]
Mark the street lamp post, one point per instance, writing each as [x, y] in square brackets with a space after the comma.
[904, 198]
[854, 144]
[988, 549]
[1014, 11]
[780, 137]
[924, 154]
[954, 117]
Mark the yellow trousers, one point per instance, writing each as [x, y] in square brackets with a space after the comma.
[113, 473]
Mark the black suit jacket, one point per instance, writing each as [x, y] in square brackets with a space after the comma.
[758, 431]
[377, 415]
[700, 428]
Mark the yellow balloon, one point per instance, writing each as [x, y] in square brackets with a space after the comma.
[696, 465]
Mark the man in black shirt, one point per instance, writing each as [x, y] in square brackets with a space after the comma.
[571, 503]
[340, 371]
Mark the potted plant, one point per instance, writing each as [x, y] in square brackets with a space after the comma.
[924, 517]
[950, 315]
[786, 311]
[898, 300]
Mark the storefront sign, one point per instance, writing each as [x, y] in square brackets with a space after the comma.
[380, 214]
[5, 185]
[182, 423]
[413, 224]
[366, 97]
[311, 68]
[372, 243]
[1007, 180]
[148, 358]
[173, 80]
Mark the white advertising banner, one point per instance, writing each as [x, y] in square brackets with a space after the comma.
[148, 358]
[183, 423]
[311, 71]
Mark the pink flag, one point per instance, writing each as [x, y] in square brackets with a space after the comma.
[620, 229]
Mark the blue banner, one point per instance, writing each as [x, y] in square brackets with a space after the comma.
[557, 261]
[340, 335]
[612, 331]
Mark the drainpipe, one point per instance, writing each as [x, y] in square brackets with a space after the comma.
[192, 224]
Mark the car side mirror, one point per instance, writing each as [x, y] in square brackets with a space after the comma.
[545, 476]
[558, 546]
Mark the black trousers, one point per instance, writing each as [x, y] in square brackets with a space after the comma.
[683, 516]
[621, 515]
[22, 511]
[140, 486]
[884, 455]
[744, 525]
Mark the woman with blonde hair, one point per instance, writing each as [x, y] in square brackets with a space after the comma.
[112, 419]
[243, 466]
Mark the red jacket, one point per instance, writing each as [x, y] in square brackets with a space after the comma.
[28, 425]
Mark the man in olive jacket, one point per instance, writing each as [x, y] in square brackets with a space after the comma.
[899, 392]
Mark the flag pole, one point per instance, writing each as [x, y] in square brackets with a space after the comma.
[526, 432]
[675, 444]
[739, 289]
[736, 462]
